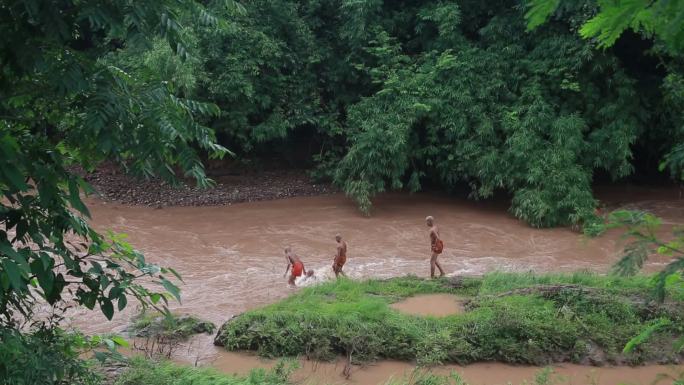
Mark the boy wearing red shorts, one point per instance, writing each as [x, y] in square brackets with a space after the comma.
[297, 266]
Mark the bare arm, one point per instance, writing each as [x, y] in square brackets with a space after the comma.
[288, 266]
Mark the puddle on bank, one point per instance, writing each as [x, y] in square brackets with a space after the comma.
[311, 372]
[435, 305]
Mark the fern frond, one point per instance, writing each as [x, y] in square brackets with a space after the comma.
[539, 12]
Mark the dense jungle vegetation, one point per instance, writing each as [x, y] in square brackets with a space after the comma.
[533, 99]
[380, 95]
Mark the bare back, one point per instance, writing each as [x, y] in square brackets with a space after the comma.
[292, 258]
[434, 234]
[342, 249]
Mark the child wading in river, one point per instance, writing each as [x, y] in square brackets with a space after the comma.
[297, 266]
[436, 247]
[340, 256]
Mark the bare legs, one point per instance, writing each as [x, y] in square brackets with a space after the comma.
[338, 271]
[433, 263]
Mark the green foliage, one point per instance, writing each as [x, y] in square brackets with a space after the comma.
[539, 12]
[84, 81]
[495, 114]
[145, 372]
[642, 230]
[525, 319]
[52, 356]
[70, 97]
[646, 334]
[384, 95]
[661, 19]
[426, 378]
[605, 21]
[499, 282]
[393, 95]
[673, 88]
[260, 71]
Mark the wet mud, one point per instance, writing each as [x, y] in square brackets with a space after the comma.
[430, 305]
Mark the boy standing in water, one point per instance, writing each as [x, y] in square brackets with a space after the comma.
[297, 267]
[340, 257]
[436, 246]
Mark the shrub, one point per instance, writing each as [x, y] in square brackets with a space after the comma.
[44, 356]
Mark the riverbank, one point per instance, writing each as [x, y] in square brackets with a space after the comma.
[112, 184]
[513, 318]
[142, 372]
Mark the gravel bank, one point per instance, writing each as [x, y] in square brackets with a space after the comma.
[113, 185]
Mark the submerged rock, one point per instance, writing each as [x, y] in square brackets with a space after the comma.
[176, 326]
[220, 334]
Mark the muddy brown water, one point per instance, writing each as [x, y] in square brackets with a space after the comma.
[474, 374]
[231, 257]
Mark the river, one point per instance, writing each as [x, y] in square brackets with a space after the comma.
[231, 257]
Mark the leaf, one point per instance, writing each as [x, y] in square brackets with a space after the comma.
[171, 288]
[539, 12]
[121, 304]
[45, 276]
[101, 356]
[15, 177]
[75, 197]
[155, 297]
[110, 344]
[88, 299]
[612, 20]
[175, 274]
[14, 274]
[46, 260]
[107, 308]
[120, 341]
[645, 334]
[115, 292]
[69, 262]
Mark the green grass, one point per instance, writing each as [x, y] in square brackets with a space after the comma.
[147, 372]
[501, 282]
[591, 325]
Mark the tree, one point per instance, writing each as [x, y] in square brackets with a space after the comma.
[644, 243]
[642, 231]
[532, 114]
[660, 19]
[65, 101]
